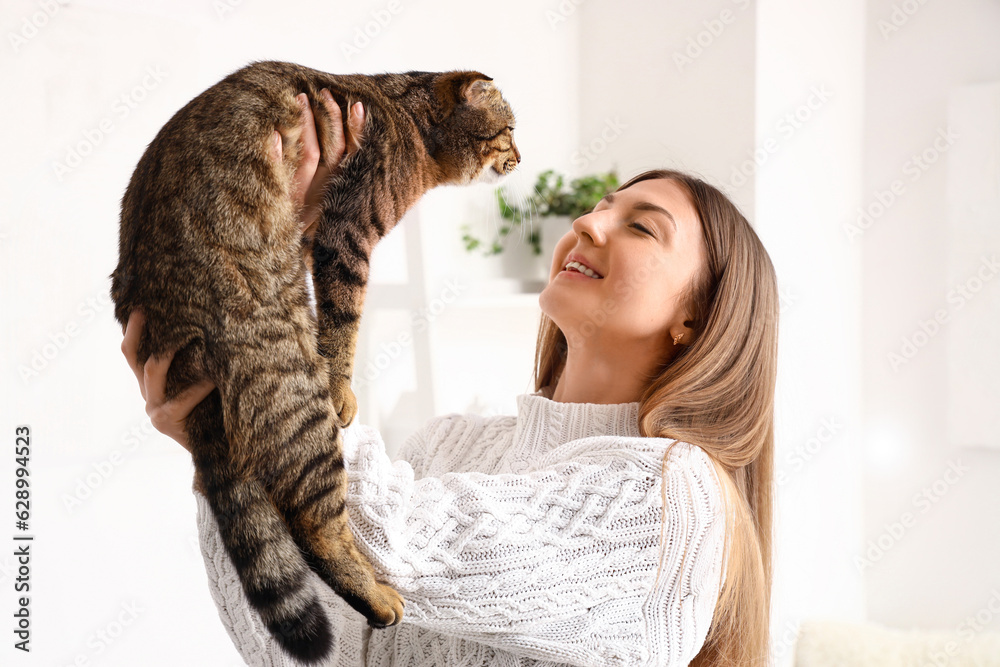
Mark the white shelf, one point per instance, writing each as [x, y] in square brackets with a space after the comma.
[502, 293]
[523, 300]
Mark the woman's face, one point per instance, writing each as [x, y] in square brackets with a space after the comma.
[642, 245]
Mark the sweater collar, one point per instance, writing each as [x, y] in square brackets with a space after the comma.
[542, 420]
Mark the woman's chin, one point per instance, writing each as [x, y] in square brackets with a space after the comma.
[551, 301]
[565, 303]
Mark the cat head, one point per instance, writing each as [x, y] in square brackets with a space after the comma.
[471, 137]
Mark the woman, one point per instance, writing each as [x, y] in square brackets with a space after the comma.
[624, 515]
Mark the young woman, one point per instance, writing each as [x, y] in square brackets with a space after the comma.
[623, 516]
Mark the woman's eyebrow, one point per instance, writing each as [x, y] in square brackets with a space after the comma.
[645, 206]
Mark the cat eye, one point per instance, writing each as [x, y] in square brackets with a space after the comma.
[479, 138]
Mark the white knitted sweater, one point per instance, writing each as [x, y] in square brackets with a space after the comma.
[539, 539]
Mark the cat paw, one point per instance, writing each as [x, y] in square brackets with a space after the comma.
[386, 607]
[345, 404]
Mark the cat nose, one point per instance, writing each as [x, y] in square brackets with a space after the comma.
[510, 163]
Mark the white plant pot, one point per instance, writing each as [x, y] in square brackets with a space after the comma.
[519, 261]
[553, 228]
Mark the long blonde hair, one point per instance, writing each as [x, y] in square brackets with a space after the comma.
[718, 392]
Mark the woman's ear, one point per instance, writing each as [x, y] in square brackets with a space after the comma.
[683, 334]
[454, 88]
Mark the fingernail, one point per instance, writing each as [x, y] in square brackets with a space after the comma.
[302, 98]
[326, 95]
[358, 109]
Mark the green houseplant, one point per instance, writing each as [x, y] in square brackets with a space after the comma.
[551, 198]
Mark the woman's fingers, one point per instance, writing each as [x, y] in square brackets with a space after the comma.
[310, 152]
[130, 346]
[154, 377]
[276, 146]
[168, 417]
[339, 144]
[356, 121]
[319, 176]
[335, 152]
[312, 175]
[189, 399]
[346, 143]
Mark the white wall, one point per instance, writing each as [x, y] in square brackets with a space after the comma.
[810, 76]
[659, 98]
[936, 557]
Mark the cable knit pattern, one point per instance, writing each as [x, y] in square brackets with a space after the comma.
[540, 539]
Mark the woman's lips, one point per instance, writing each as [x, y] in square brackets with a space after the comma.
[577, 263]
[576, 275]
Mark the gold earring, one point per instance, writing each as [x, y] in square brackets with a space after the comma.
[677, 338]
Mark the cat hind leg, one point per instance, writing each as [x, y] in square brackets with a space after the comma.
[270, 566]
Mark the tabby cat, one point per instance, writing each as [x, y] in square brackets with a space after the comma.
[210, 249]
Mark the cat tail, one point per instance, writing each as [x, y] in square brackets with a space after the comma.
[271, 568]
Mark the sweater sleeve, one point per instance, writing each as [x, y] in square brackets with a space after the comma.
[593, 557]
[249, 635]
[578, 560]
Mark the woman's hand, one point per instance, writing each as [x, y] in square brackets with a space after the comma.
[311, 176]
[168, 417]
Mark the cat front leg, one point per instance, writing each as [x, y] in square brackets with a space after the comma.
[340, 263]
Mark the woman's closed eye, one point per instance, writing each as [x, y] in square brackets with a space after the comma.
[642, 228]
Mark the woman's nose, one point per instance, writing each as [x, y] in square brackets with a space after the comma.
[591, 226]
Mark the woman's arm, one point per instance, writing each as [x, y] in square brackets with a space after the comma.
[578, 561]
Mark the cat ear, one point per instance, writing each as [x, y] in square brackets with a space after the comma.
[479, 91]
[454, 88]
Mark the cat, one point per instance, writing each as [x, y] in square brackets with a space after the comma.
[211, 250]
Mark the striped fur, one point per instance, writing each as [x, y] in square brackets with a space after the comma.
[211, 250]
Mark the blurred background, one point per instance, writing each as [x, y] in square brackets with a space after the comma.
[861, 139]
